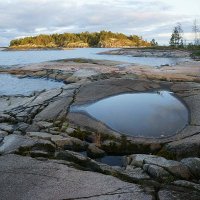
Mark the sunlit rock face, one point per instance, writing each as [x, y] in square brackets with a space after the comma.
[152, 114]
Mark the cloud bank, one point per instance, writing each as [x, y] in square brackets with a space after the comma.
[148, 18]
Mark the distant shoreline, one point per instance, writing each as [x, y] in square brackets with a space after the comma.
[34, 49]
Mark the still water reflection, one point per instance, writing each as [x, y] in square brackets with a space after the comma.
[154, 114]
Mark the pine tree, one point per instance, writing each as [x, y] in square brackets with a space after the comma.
[154, 43]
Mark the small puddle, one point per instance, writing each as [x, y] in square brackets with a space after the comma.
[111, 160]
[108, 159]
[12, 85]
[148, 114]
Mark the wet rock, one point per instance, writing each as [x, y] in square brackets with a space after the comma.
[94, 152]
[73, 157]
[194, 166]
[92, 165]
[61, 182]
[39, 153]
[6, 127]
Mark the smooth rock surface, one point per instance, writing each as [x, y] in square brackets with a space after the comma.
[27, 178]
[178, 193]
[174, 167]
[184, 148]
[17, 143]
[69, 143]
[156, 172]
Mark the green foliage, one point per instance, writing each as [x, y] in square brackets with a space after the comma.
[176, 39]
[196, 54]
[84, 39]
[166, 154]
[154, 43]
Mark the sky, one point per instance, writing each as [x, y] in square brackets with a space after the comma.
[147, 18]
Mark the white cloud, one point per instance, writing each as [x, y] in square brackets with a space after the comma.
[148, 18]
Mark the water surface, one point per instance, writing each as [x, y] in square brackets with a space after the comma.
[154, 114]
[111, 160]
[9, 58]
[12, 85]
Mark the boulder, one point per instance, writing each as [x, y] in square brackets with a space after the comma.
[3, 134]
[173, 167]
[183, 148]
[187, 184]
[69, 143]
[22, 126]
[194, 166]
[44, 124]
[177, 193]
[137, 174]
[6, 127]
[137, 160]
[6, 118]
[94, 152]
[157, 172]
[176, 168]
[40, 135]
[22, 145]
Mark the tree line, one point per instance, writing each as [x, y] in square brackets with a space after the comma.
[84, 39]
[177, 39]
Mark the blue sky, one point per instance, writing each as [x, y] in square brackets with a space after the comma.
[148, 18]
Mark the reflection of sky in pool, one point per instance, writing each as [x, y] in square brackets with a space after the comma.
[11, 85]
[153, 114]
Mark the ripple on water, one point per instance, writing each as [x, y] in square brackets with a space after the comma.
[152, 114]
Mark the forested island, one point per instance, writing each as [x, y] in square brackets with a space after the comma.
[104, 39]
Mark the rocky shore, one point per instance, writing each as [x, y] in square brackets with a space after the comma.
[148, 52]
[49, 152]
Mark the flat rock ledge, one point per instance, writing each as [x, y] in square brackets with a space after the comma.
[48, 152]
